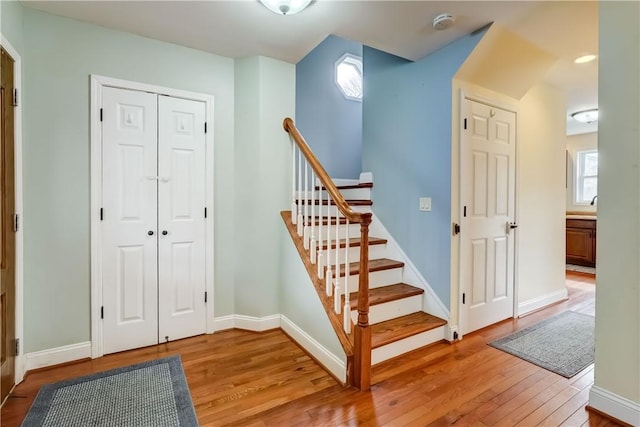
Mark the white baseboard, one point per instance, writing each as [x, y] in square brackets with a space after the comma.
[55, 356]
[329, 360]
[248, 323]
[537, 303]
[616, 406]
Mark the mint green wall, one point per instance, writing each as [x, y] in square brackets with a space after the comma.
[59, 55]
[11, 23]
[265, 95]
[617, 370]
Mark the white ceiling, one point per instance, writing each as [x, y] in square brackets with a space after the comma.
[243, 28]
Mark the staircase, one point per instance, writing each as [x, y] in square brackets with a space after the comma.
[387, 319]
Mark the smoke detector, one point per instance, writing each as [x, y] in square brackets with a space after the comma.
[443, 21]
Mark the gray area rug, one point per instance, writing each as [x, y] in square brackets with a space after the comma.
[563, 344]
[153, 393]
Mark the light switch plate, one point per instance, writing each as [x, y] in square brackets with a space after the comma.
[425, 204]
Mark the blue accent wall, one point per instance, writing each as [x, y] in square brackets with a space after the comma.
[330, 123]
[407, 145]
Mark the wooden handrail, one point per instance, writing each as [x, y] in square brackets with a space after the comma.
[327, 182]
[361, 377]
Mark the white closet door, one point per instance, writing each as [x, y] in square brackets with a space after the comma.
[181, 221]
[129, 227]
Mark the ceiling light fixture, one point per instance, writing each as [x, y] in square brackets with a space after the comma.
[286, 7]
[584, 59]
[443, 21]
[586, 116]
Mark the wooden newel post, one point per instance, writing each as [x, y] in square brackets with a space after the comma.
[362, 332]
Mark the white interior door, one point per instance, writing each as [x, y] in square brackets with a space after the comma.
[487, 249]
[129, 227]
[153, 219]
[181, 218]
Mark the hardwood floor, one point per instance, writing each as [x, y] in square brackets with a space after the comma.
[263, 379]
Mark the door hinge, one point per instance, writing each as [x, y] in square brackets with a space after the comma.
[465, 124]
[14, 101]
[456, 229]
[101, 114]
[464, 298]
[205, 296]
[205, 212]
[16, 223]
[464, 212]
[101, 214]
[205, 127]
[102, 312]
[17, 346]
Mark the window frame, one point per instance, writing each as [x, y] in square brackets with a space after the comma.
[578, 188]
[355, 61]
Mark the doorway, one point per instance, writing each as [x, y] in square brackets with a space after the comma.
[487, 195]
[8, 226]
[152, 232]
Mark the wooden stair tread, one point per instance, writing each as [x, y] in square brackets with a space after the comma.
[374, 265]
[342, 220]
[393, 330]
[353, 202]
[351, 186]
[353, 242]
[387, 294]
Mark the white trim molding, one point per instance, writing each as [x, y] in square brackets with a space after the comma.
[330, 361]
[248, 323]
[97, 83]
[616, 406]
[541, 301]
[55, 356]
[17, 156]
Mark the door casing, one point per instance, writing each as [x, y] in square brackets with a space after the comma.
[17, 156]
[97, 83]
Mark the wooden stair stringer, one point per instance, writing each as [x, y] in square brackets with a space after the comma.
[319, 285]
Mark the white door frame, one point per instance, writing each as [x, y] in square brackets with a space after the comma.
[17, 160]
[457, 216]
[97, 83]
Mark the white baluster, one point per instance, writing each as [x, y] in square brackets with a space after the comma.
[305, 232]
[294, 207]
[337, 293]
[320, 259]
[299, 221]
[312, 244]
[347, 300]
[329, 273]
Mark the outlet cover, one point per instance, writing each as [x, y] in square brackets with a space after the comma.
[425, 204]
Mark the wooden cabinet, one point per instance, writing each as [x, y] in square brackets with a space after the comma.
[581, 242]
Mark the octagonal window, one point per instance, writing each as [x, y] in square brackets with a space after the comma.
[349, 76]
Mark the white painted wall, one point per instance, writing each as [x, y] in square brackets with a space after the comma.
[540, 238]
[617, 366]
[575, 143]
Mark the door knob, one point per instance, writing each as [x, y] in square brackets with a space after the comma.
[511, 226]
[150, 232]
[165, 232]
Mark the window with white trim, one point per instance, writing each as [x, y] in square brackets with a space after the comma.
[349, 76]
[586, 183]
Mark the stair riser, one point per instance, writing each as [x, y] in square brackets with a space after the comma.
[406, 345]
[375, 252]
[377, 278]
[354, 231]
[392, 309]
[322, 210]
[352, 194]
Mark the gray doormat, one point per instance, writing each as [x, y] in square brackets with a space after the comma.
[153, 393]
[563, 344]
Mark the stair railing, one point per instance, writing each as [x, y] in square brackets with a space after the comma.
[335, 211]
